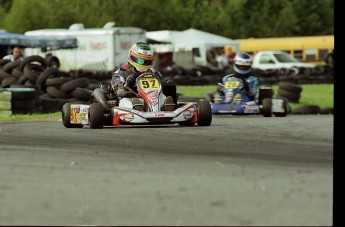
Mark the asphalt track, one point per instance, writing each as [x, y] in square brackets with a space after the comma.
[242, 170]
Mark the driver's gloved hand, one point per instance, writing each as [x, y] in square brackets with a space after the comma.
[219, 89]
[245, 85]
[159, 74]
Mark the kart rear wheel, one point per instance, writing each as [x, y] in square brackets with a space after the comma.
[204, 113]
[266, 109]
[285, 108]
[96, 115]
[66, 115]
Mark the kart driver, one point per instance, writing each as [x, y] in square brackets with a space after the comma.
[242, 66]
[140, 60]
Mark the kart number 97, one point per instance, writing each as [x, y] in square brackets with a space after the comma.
[149, 83]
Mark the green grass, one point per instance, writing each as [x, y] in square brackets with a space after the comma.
[34, 116]
[312, 94]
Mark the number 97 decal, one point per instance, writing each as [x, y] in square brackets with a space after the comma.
[149, 83]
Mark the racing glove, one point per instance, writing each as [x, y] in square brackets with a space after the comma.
[245, 85]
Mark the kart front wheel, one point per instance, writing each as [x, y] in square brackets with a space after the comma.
[96, 115]
[266, 109]
[204, 113]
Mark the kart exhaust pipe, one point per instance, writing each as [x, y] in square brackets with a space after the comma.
[99, 96]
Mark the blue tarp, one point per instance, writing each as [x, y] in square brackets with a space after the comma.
[49, 43]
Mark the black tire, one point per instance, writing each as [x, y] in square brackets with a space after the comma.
[4, 75]
[266, 108]
[3, 62]
[71, 85]
[53, 61]
[47, 73]
[96, 116]
[169, 89]
[57, 81]
[33, 58]
[288, 86]
[290, 96]
[7, 82]
[52, 105]
[10, 66]
[204, 113]
[327, 110]
[81, 93]
[23, 104]
[56, 93]
[65, 114]
[307, 109]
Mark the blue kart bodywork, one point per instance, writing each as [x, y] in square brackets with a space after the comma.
[233, 100]
[240, 109]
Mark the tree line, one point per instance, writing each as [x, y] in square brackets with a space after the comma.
[234, 19]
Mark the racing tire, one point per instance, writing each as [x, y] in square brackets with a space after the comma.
[96, 116]
[266, 108]
[65, 115]
[285, 107]
[204, 113]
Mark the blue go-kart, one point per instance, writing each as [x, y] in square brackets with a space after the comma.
[230, 101]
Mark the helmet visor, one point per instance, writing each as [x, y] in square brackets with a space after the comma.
[243, 67]
[141, 61]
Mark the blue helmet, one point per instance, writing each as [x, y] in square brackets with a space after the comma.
[243, 63]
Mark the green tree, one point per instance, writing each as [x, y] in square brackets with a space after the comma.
[314, 17]
[234, 19]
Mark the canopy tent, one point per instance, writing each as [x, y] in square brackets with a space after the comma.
[44, 42]
[192, 38]
[163, 36]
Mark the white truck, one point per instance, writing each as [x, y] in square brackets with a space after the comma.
[99, 49]
[280, 60]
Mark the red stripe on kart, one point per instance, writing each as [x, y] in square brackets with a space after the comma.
[116, 119]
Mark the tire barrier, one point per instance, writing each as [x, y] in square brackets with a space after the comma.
[36, 87]
[307, 109]
[53, 87]
[290, 91]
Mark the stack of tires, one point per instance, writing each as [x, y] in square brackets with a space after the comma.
[290, 91]
[17, 100]
[52, 87]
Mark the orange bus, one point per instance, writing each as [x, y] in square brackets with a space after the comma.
[313, 49]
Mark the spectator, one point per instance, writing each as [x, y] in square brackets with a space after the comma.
[222, 60]
[231, 56]
[15, 55]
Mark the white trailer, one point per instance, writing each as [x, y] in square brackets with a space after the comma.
[99, 49]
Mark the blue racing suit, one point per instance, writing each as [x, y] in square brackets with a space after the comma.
[250, 85]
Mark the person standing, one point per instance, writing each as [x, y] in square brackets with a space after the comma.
[15, 55]
[231, 56]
